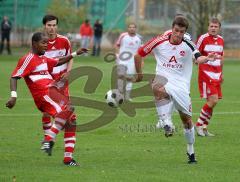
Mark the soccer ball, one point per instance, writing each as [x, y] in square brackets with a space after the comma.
[114, 98]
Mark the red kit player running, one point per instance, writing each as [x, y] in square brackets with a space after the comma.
[35, 68]
[210, 75]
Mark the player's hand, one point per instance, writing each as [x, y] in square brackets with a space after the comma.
[65, 76]
[11, 102]
[139, 77]
[81, 51]
[213, 56]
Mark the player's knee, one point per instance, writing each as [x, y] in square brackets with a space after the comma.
[187, 124]
[45, 115]
[212, 101]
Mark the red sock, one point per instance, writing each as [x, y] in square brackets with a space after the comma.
[205, 115]
[46, 124]
[69, 142]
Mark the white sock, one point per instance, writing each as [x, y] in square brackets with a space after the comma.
[190, 137]
[128, 89]
[164, 109]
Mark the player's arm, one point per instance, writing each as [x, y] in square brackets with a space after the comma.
[203, 59]
[67, 58]
[138, 67]
[199, 59]
[13, 87]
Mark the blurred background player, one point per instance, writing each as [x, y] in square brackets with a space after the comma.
[58, 46]
[6, 27]
[86, 33]
[35, 68]
[97, 38]
[174, 62]
[210, 76]
[126, 47]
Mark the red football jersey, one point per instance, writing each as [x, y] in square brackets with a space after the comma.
[210, 71]
[58, 47]
[35, 70]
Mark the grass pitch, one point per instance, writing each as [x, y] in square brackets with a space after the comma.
[127, 149]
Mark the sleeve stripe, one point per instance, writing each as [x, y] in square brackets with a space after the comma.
[24, 65]
[200, 40]
[190, 44]
[155, 42]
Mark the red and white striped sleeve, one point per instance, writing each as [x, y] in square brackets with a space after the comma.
[199, 42]
[151, 44]
[24, 66]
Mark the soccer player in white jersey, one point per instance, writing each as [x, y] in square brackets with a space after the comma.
[173, 55]
[58, 46]
[126, 47]
[210, 76]
[187, 36]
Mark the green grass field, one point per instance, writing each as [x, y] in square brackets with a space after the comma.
[126, 149]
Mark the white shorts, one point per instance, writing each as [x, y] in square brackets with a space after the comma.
[130, 66]
[181, 98]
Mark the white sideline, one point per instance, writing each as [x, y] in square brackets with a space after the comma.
[194, 100]
[139, 115]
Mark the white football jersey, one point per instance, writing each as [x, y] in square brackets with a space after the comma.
[127, 43]
[174, 62]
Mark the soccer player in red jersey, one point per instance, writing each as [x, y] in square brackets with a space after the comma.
[210, 76]
[35, 68]
[58, 46]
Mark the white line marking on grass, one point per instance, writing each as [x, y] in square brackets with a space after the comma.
[141, 115]
[194, 100]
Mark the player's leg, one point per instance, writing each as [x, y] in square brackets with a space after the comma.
[164, 106]
[182, 102]
[98, 46]
[131, 71]
[8, 44]
[121, 77]
[61, 113]
[69, 142]
[46, 123]
[211, 93]
[189, 135]
[60, 120]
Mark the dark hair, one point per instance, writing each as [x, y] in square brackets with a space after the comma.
[37, 36]
[132, 23]
[215, 20]
[48, 18]
[180, 21]
[87, 21]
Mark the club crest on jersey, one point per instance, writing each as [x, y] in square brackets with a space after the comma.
[182, 53]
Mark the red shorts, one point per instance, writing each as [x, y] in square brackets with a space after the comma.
[207, 89]
[51, 102]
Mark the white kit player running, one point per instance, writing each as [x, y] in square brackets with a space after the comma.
[174, 63]
[127, 46]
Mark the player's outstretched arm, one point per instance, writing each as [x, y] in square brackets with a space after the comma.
[13, 87]
[211, 57]
[138, 66]
[66, 59]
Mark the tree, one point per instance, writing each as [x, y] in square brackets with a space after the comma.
[69, 15]
[200, 11]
